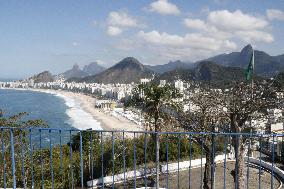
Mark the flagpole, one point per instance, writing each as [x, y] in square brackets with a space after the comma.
[251, 96]
[252, 74]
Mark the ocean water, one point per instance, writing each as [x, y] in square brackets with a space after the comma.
[38, 105]
[58, 111]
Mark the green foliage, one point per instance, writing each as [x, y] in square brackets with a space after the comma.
[62, 177]
[17, 121]
[20, 144]
[157, 103]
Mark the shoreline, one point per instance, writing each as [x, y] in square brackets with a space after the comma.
[101, 119]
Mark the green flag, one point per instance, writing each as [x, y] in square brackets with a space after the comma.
[249, 71]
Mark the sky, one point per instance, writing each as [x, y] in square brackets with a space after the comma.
[38, 35]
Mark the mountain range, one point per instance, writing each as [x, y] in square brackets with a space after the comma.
[224, 68]
[172, 65]
[265, 64]
[206, 72]
[131, 70]
[126, 71]
[90, 69]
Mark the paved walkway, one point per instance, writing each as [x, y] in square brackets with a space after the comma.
[196, 179]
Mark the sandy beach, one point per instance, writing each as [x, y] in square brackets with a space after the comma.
[106, 120]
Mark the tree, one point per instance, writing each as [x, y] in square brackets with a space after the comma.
[205, 115]
[158, 105]
[243, 104]
[16, 121]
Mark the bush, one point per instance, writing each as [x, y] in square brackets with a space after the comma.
[92, 162]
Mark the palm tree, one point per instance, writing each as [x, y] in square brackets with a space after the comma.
[158, 105]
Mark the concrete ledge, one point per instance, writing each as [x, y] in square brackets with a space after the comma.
[277, 171]
[118, 178]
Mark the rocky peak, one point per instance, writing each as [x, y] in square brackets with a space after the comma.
[129, 62]
[75, 67]
[247, 51]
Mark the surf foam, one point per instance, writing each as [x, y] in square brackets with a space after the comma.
[79, 118]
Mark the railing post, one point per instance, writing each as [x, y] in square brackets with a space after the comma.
[91, 157]
[249, 152]
[273, 156]
[213, 162]
[260, 151]
[23, 159]
[145, 160]
[237, 160]
[123, 154]
[61, 161]
[225, 159]
[81, 160]
[112, 156]
[3, 157]
[71, 160]
[190, 158]
[134, 155]
[178, 158]
[102, 159]
[51, 162]
[13, 158]
[167, 153]
[41, 160]
[157, 142]
[31, 158]
[201, 171]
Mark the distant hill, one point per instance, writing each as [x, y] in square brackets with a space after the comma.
[183, 74]
[93, 68]
[170, 66]
[280, 58]
[88, 70]
[42, 77]
[126, 71]
[75, 72]
[207, 72]
[265, 65]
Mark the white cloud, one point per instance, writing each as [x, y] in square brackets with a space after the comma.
[195, 24]
[113, 31]
[192, 40]
[121, 19]
[275, 14]
[226, 20]
[254, 35]
[155, 37]
[226, 25]
[164, 7]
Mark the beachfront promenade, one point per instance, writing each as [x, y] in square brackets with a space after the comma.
[52, 158]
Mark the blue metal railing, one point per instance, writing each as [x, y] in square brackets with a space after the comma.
[40, 158]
